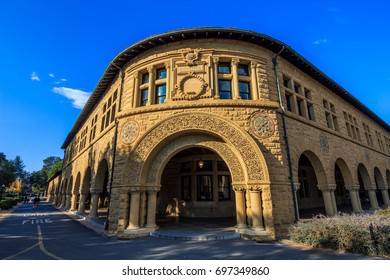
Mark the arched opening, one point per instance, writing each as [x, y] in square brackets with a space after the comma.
[343, 198]
[196, 188]
[101, 187]
[309, 197]
[379, 183]
[364, 182]
[76, 193]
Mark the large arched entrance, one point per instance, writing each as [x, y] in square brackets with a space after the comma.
[196, 185]
[174, 140]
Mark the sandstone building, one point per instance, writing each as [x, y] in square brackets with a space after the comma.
[221, 122]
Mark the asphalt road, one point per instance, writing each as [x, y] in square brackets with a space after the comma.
[45, 233]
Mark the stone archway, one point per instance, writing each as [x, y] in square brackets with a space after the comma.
[99, 191]
[85, 195]
[382, 193]
[315, 194]
[242, 156]
[76, 193]
[367, 189]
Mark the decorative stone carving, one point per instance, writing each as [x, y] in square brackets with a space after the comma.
[261, 125]
[324, 142]
[190, 56]
[239, 188]
[134, 189]
[191, 87]
[250, 154]
[367, 155]
[129, 132]
[191, 140]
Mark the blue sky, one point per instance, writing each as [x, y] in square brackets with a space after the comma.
[53, 53]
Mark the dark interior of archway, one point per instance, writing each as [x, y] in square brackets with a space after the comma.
[196, 195]
[343, 199]
[363, 193]
[309, 197]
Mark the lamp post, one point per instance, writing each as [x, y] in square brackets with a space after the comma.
[2, 190]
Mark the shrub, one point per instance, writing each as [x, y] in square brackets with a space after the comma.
[384, 212]
[349, 233]
[5, 204]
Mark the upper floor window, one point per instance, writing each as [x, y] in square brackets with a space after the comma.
[92, 133]
[387, 143]
[330, 115]
[109, 111]
[352, 126]
[153, 89]
[298, 98]
[367, 134]
[238, 75]
[380, 141]
[83, 140]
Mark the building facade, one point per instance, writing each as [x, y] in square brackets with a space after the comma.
[218, 122]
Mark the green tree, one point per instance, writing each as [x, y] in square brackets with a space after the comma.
[19, 167]
[57, 166]
[7, 171]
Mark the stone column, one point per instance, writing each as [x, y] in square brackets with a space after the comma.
[63, 200]
[255, 94]
[83, 199]
[372, 197]
[216, 85]
[68, 198]
[240, 206]
[257, 208]
[235, 87]
[168, 95]
[152, 203]
[93, 212]
[73, 205]
[151, 85]
[55, 200]
[385, 195]
[354, 196]
[333, 197]
[134, 208]
[328, 200]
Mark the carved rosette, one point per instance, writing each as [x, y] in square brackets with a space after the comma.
[191, 87]
[261, 125]
[324, 142]
[129, 132]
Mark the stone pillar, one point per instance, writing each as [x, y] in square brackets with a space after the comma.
[333, 197]
[255, 93]
[240, 206]
[55, 200]
[68, 198]
[73, 205]
[151, 86]
[63, 200]
[372, 197]
[328, 200]
[93, 212]
[83, 199]
[152, 204]
[216, 83]
[134, 208]
[354, 196]
[235, 86]
[168, 82]
[257, 208]
[385, 195]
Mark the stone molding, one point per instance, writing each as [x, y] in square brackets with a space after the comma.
[383, 188]
[233, 136]
[328, 187]
[353, 187]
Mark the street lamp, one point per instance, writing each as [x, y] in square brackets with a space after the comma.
[2, 190]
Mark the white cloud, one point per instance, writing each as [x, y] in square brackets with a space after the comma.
[51, 75]
[64, 80]
[34, 77]
[321, 41]
[78, 97]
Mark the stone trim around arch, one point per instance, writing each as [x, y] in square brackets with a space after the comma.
[237, 139]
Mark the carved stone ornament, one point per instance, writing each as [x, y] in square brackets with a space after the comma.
[367, 155]
[130, 132]
[261, 125]
[191, 87]
[324, 142]
[190, 56]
